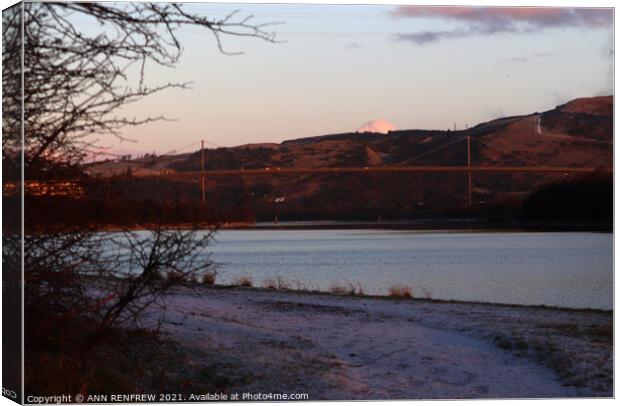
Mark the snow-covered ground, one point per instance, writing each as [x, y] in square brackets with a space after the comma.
[343, 347]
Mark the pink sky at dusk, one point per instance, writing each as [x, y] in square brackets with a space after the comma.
[340, 66]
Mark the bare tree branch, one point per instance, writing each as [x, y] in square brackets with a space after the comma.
[77, 81]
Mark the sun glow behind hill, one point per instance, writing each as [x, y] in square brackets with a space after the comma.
[377, 126]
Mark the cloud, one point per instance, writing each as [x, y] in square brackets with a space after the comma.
[516, 59]
[536, 16]
[495, 113]
[501, 20]
[353, 46]
[426, 37]
[523, 59]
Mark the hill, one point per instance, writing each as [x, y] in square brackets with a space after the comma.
[578, 133]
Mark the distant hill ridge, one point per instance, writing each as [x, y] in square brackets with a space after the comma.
[578, 134]
[600, 105]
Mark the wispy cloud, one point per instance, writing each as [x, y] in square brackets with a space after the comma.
[495, 113]
[500, 20]
[353, 46]
[426, 37]
[524, 59]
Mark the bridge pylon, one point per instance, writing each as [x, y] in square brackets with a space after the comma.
[469, 171]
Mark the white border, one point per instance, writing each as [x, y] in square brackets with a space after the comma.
[563, 3]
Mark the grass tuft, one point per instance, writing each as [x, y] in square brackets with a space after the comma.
[356, 289]
[353, 289]
[427, 293]
[208, 278]
[244, 281]
[175, 277]
[276, 284]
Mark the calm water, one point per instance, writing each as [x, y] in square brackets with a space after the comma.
[555, 269]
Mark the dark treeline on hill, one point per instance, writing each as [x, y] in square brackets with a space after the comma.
[117, 204]
[585, 200]
[579, 201]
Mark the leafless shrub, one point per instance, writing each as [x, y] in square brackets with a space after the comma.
[109, 278]
[75, 87]
[133, 265]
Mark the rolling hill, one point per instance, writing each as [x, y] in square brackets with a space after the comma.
[578, 133]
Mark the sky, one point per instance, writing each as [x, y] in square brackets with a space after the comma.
[338, 68]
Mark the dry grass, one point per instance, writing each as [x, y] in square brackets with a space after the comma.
[208, 278]
[63, 355]
[277, 284]
[401, 291]
[282, 284]
[354, 289]
[338, 290]
[175, 277]
[244, 281]
[427, 293]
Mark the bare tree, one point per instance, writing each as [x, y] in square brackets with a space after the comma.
[110, 278]
[76, 82]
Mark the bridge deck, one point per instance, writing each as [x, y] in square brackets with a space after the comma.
[384, 169]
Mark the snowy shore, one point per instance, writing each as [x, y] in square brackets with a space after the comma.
[344, 347]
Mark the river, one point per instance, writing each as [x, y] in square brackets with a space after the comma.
[565, 269]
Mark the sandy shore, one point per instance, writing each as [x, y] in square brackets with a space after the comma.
[343, 347]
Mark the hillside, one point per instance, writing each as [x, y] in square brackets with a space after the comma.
[578, 133]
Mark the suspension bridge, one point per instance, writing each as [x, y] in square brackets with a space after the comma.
[403, 167]
[269, 169]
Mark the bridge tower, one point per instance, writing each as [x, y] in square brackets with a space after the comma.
[469, 171]
[202, 169]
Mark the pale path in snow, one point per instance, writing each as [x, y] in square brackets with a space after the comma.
[342, 347]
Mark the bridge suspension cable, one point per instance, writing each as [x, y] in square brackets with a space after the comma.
[486, 144]
[430, 151]
[232, 150]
